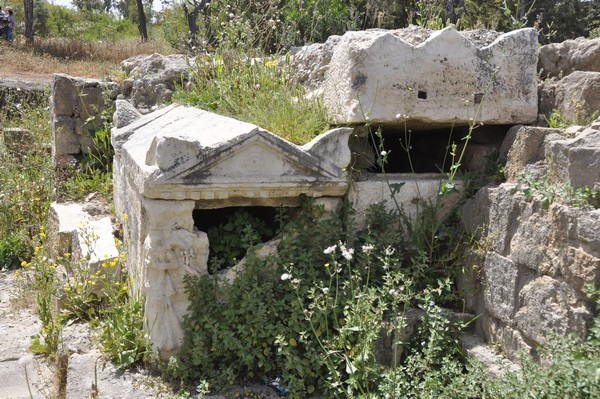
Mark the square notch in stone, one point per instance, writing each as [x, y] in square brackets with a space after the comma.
[477, 98]
[422, 95]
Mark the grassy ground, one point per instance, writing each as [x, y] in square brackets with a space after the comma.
[76, 58]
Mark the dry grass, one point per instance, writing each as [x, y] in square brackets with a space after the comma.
[72, 57]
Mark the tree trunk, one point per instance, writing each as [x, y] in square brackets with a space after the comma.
[142, 21]
[192, 20]
[28, 17]
[206, 12]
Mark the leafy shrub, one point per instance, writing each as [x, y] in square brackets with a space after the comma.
[312, 312]
[230, 240]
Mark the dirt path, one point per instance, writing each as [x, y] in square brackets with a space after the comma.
[16, 328]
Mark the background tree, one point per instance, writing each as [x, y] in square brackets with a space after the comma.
[142, 21]
[28, 18]
[192, 9]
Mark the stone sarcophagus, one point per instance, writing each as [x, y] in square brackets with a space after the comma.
[433, 78]
[180, 159]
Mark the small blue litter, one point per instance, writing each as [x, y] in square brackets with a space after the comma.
[275, 384]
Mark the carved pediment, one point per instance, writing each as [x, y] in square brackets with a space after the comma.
[200, 155]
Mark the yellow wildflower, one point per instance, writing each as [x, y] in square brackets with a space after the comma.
[113, 264]
[125, 216]
[24, 264]
[122, 256]
[104, 264]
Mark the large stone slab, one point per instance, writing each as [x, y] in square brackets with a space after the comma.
[413, 195]
[378, 76]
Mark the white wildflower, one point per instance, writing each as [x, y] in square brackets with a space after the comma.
[347, 253]
[25, 359]
[286, 276]
[383, 153]
[367, 248]
[329, 250]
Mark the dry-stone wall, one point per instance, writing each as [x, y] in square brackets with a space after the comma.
[539, 260]
[76, 109]
[571, 72]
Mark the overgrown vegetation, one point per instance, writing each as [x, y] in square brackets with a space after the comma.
[255, 90]
[550, 189]
[85, 290]
[26, 180]
[314, 312]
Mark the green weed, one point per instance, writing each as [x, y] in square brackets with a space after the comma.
[257, 91]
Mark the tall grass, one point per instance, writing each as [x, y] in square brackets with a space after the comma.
[26, 182]
[257, 91]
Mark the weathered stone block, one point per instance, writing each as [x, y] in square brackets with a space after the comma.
[548, 306]
[504, 216]
[561, 59]
[501, 278]
[510, 340]
[151, 79]
[414, 194]
[525, 148]
[577, 160]
[376, 75]
[94, 243]
[66, 133]
[63, 222]
[575, 97]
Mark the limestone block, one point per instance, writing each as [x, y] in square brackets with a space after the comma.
[505, 216]
[415, 192]
[510, 340]
[63, 222]
[577, 160]
[579, 268]
[561, 59]
[474, 348]
[151, 79]
[66, 133]
[530, 243]
[476, 211]
[64, 96]
[308, 64]
[95, 243]
[575, 97]
[525, 148]
[547, 305]
[501, 278]
[262, 251]
[125, 113]
[588, 230]
[376, 75]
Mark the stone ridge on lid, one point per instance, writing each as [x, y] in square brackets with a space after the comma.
[378, 76]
